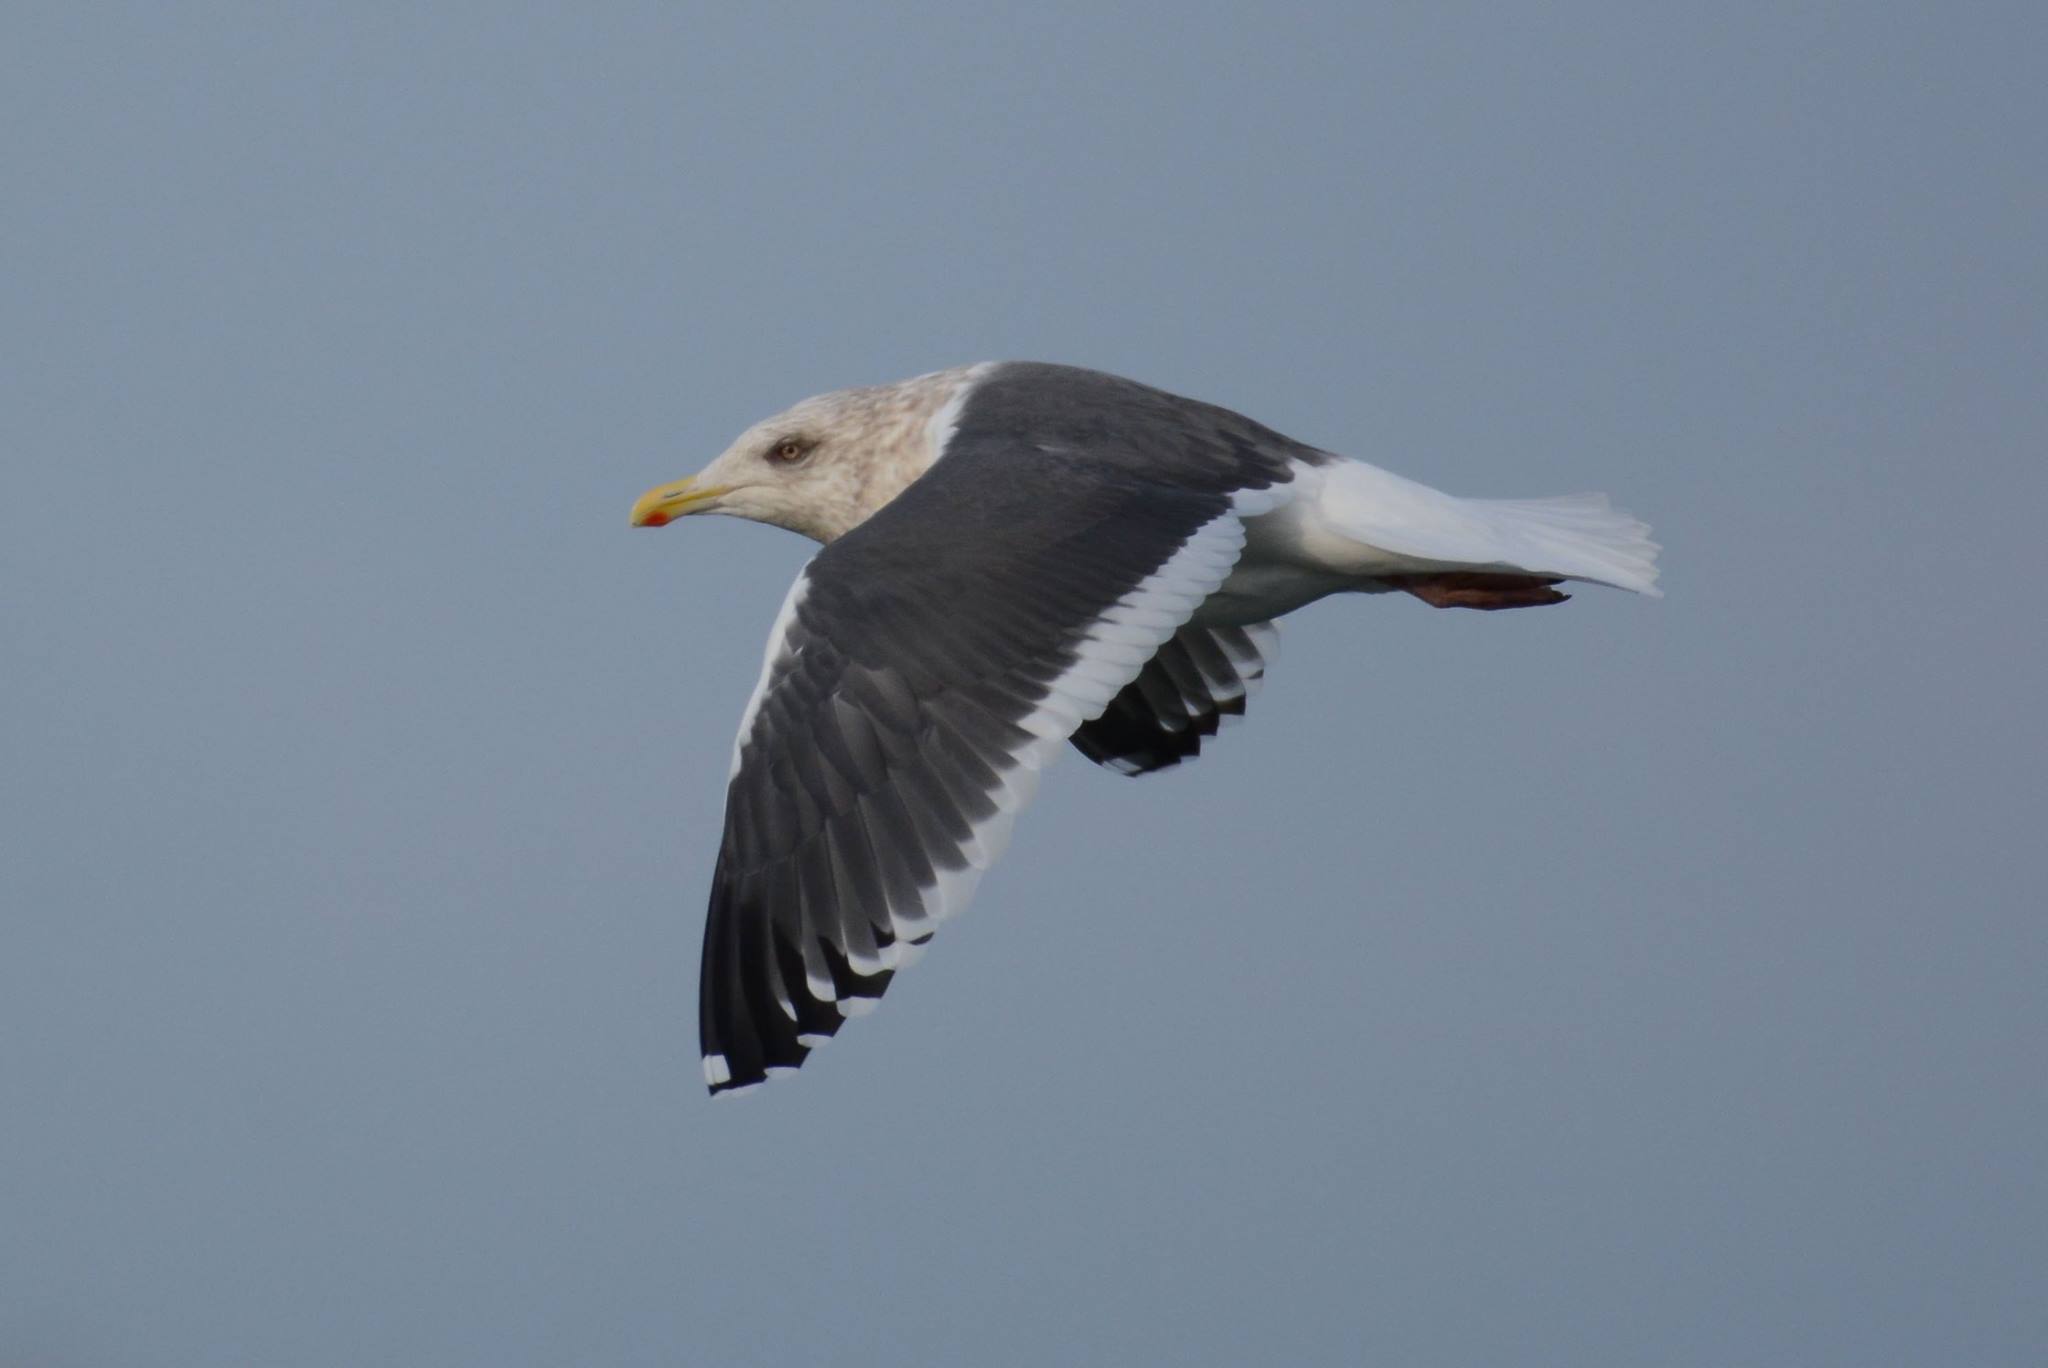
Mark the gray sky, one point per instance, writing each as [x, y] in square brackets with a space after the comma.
[1625, 983]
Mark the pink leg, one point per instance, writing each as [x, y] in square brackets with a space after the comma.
[1476, 589]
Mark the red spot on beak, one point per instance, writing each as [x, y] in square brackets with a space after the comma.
[655, 520]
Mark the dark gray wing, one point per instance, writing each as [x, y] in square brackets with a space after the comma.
[924, 668]
[1195, 681]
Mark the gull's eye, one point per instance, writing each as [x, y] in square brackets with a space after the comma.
[789, 451]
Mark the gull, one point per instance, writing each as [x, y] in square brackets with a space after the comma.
[1018, 556]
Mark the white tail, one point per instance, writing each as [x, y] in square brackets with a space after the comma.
[1576, 536]
[1579, 536]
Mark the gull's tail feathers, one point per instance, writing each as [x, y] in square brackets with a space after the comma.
[1579, 536]
[1574, 536]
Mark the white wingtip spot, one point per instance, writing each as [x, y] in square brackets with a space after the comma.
[857, 1006]
[868, 963]
[716, 1071]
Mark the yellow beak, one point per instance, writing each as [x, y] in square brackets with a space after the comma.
[663, 504]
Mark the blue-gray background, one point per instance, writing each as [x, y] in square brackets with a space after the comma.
[1624, 983]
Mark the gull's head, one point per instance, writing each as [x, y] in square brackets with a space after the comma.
[820, 468]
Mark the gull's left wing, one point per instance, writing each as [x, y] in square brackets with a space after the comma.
[922, 670]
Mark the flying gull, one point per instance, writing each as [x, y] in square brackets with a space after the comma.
[1017, 556]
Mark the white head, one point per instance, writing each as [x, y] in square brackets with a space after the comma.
[823, 467]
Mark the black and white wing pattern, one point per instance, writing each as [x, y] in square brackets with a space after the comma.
[1198, 679]
[923, 669]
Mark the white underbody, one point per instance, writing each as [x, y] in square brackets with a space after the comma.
[1346, 526]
